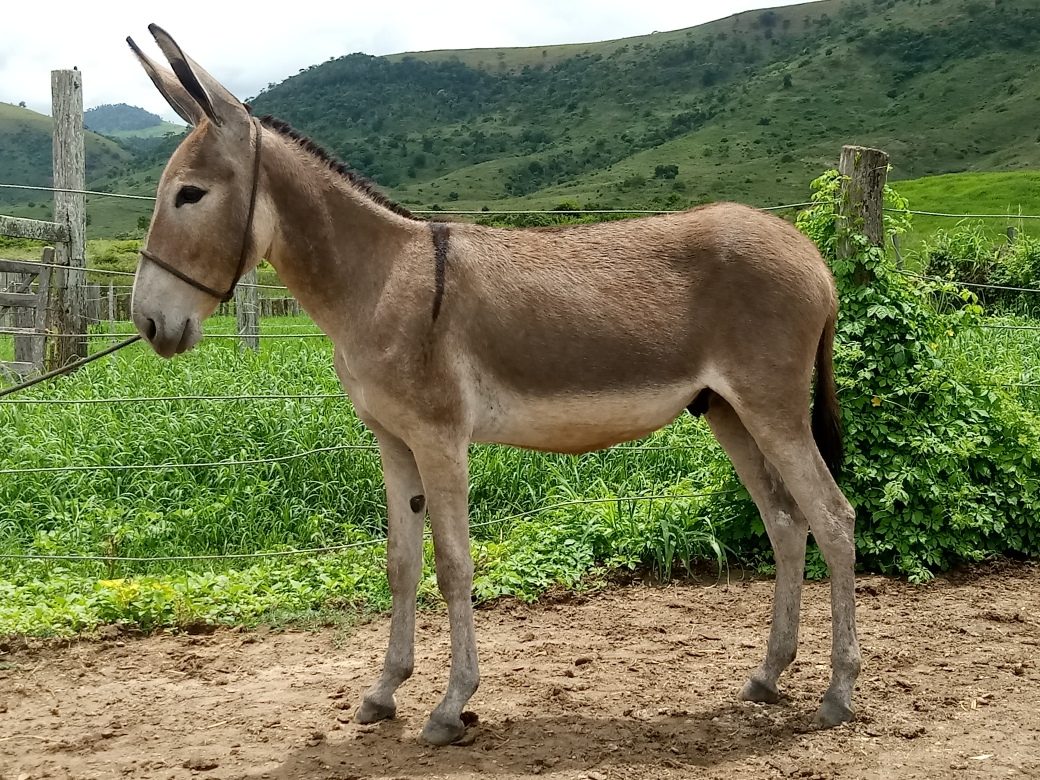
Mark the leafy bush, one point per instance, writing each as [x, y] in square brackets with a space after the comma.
[941, 465]
[969, 254]
[964, 253]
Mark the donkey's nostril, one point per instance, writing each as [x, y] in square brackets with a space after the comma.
[152, 330]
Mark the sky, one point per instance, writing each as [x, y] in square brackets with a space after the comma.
[246, 46]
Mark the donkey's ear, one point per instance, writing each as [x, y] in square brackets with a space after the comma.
[169, 87]
[215, 100]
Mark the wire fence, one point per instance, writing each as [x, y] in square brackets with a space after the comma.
[287, 333]
[500, 521]
[533, 212]
[972, 285]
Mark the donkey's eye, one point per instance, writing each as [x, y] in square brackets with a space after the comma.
[188, 194]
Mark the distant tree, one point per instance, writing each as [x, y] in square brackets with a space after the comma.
[21, 104]
[666, 171]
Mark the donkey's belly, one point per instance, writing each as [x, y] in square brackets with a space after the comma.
[580, 422]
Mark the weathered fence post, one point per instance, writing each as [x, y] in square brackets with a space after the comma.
[247, 311]
[862, 200]
[111, 307]
[69, 210]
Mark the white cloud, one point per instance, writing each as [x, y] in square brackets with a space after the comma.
[246, 48]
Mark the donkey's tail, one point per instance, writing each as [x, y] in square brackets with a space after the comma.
[826, 413]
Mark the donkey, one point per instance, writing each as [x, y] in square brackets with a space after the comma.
[564, 340]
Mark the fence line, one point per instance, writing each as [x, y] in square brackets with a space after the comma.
[131, 274]
[15, 331]
[967, 284]
[988, 326]
[158, 398]
[525, 212]
[962, 216]
[481, 212]
[354, 545]
[202, 465]
[32, 188]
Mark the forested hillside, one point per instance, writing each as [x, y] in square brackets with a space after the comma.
[748, 108]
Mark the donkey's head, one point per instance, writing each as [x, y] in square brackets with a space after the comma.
[206, 229]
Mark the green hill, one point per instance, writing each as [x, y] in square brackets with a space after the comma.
[119, 117]
[748, 108]
[25, 158]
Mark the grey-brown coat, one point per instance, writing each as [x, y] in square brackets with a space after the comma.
[565, 340]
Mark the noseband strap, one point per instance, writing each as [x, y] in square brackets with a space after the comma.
[224, 297]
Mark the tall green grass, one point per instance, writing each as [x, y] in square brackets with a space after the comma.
[323, 499]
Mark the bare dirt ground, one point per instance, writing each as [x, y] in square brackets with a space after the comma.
[634, 682]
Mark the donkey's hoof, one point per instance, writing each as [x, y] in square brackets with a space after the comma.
[832, 713]
[443, 732]
[756, 690]
[373, 711]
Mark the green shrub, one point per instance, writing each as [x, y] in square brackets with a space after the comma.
[965, 253]
[942, 466]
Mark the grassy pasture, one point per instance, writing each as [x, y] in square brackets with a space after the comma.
[327, 498]
[523, 542]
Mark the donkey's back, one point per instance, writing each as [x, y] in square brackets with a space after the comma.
[583, 336]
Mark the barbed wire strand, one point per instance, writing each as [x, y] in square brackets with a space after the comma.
[166, 398]
[961, 216]
[516, 212]
[199, 465]
[960, 283]
[131, 274]
[354, 545]
[989, 326]
[4, 331]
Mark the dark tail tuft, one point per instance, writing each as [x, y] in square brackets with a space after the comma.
[826, 413]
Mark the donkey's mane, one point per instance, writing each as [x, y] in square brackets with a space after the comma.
[357, 180]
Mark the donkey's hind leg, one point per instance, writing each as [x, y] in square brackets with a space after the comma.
[785, 438]
[406, 511]
[786, 526]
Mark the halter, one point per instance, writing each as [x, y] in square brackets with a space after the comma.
[224, 297]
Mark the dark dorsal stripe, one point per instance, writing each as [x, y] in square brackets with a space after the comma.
[441, 233]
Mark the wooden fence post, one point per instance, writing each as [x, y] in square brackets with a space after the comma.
[67, 292]
[865, 172]
[247, 311]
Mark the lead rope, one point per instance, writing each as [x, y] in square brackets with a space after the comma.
[69, 367]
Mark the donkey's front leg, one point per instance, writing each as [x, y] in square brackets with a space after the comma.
[445, 473]
[406, 510]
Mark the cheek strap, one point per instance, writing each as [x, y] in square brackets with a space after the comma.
[224, 297]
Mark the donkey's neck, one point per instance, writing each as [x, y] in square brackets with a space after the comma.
[333, 244]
